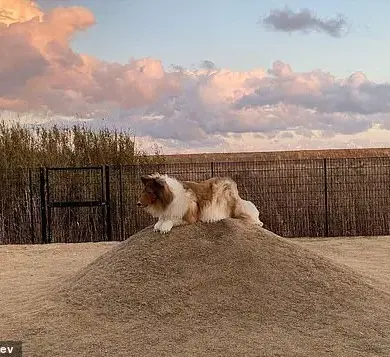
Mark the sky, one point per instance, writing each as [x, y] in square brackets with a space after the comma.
[202, 76]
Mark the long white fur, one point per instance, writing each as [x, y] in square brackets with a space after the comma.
[175, 211]
[173, 214]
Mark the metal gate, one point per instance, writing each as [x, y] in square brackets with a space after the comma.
[82, 206]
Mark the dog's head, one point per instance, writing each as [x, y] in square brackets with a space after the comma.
[155, 192]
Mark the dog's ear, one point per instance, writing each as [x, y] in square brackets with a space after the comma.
[150, 178]
[159, 181]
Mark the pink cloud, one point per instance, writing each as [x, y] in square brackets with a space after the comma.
[39, 70]
[319, 91]
[214, 103]
[13, 11]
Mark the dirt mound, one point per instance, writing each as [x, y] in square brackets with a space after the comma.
[222, 289]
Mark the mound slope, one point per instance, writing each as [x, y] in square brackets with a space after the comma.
[222, 289]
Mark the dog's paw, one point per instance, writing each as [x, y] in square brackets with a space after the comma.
[212, 220]
[259, 223]
[165, 227]
[157, 226]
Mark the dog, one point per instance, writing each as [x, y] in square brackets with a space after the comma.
[176, 202]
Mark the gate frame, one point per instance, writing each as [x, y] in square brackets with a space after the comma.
[47, 206]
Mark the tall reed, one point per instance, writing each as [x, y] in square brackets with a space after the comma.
[22, 146]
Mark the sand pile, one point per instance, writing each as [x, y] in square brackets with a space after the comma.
[222, 289]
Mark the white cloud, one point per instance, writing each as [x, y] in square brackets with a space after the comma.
[220, 102]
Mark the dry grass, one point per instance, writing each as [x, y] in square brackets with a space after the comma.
[204, 290]
[23, 148]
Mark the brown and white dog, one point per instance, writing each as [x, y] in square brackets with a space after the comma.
[176, 202]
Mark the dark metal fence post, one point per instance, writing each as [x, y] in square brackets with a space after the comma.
[108, 203]
[212, 168]
[49, 207]
[32, 226]
[326, 198]
[121, 203]
[43, 205]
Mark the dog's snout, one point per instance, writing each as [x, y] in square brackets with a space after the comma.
[139, 204]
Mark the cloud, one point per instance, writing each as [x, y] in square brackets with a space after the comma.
[305, 21]
[213, 105]
[374, 137]
[13, 11]
[40, 71]
[319, 91]
[208, 65]
[199, 108]
[24, 63]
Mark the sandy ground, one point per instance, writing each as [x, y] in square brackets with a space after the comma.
[24, 270]
[369, 256]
